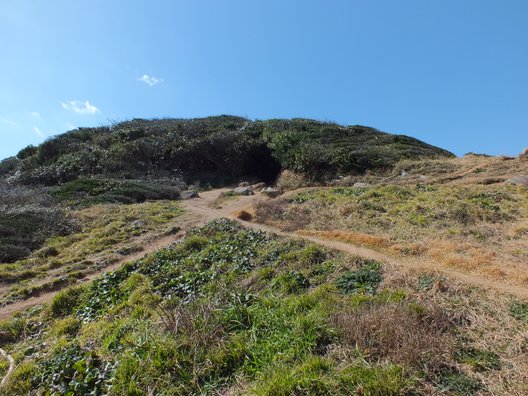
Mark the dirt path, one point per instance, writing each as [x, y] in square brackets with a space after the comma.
[201, 210]
[151, 246]
[11, 361]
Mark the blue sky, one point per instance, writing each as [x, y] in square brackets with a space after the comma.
[451, 72]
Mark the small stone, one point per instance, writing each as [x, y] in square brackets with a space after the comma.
[518, 180]
[258, 186]
[271, 192]
[243, 191]
[361, 185]
[189, 194]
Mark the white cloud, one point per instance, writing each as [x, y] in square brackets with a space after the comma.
[8, 122]
[80, 107]
[37, 131]
[35, 114]
[150, 80]
[70, 126]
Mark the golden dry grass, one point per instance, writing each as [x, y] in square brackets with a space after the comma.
[350, 237]
[243, 215]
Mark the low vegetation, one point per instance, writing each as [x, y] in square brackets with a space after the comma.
[108, 232]
[472, 228]
[233, 311]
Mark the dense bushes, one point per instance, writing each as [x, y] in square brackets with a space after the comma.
[213, 149]
[97, 190]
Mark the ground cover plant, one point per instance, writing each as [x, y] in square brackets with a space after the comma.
[228, 310]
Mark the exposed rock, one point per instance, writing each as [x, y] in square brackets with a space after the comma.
[524, 153]
[137, 223]
[258, 186]
[243, 184]
[361, 185]
[518, 181]
[271, 192]
[403, 173]
[189, 194]
[243, 191]
[422, 178]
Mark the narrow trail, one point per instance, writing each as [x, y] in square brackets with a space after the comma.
[11, 361]
[201, 210]
[151, 246]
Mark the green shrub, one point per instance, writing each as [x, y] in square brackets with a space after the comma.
[16, 327]
[66, 326]
[374, 380]
[456, 383]
[479, 360]
[72, 370]
[21, 380]
[65, 301]
[218, 149]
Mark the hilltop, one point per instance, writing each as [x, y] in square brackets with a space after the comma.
[214, 150]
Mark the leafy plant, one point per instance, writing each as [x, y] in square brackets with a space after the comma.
[367, 278]
[74, 371]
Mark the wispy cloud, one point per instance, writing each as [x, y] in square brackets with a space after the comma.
[8, 122]
[150, 80]
[37, 131]
[35, 114]
[70, 126]
[80, 107]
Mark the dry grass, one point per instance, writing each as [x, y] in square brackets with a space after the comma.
[243, 215]
[289, 180]
[484, 322]
[412, 335]
[350, 237]
[108, 233]
[480, 229]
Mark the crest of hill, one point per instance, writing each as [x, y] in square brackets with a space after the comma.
[213, 149]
